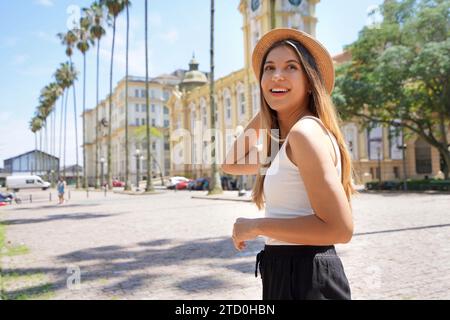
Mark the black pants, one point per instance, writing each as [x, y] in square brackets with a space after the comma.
[302, 273]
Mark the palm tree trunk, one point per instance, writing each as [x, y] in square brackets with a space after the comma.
[61, 131]
[76, 135]
[96, 118]
[127, 187]
[85, 182]
[216, 186]
[109, 177]
[149, 143]
[40, 151]
[65, 135]
[36, 153]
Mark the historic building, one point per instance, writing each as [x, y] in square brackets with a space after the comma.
[159, 92]
[376, 153]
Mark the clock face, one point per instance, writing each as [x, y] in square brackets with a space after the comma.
[255, 4]
[295, 2]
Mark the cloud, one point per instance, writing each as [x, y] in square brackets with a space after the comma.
[170, 36]
[9, 42]
[20, 59]
[46, 36]
[44, 3]
[154, 19]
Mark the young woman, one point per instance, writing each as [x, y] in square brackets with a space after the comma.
[306, 186]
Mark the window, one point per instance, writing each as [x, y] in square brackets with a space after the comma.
[136, 108]
[137, 121]
[143, 107]
[227, 105]
[142, 121]
[423, 156]
[153, 145]
[31, 181]
[166, 123]
[153, 122]
[396, 173]
[136, 93]
[166, 146]
[242, 100]
[166, 110]
[153, 108]
[166, 95]
[142, 93]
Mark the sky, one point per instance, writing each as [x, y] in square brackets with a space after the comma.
[30, 52]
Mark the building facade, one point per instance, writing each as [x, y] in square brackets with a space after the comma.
[377, 153]
[32, 162]
[97, 129]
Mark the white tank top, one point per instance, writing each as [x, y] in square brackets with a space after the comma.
[284, 190]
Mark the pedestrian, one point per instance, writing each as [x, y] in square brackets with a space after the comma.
[305, 184]
[61, 189]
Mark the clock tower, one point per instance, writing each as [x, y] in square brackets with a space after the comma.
[261, 16]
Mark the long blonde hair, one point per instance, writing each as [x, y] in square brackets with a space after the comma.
[320, 105]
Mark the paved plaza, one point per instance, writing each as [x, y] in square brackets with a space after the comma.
[172, 246]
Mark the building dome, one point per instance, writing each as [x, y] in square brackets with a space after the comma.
[194, 77]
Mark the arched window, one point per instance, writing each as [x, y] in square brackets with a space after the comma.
[423, 156]
[240, 93]
[227, 106]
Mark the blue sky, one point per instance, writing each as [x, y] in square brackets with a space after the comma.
[30, 51]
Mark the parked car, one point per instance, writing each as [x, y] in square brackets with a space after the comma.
[173, 181]
[199, 184]
[16, 183]
[118, 183]
[183, 184]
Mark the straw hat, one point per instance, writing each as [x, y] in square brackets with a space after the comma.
[321, 56]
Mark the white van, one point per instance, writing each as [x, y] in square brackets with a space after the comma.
[26, 182]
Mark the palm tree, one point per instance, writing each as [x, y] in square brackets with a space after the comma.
[149, 186]
[65, 76]
[216, 185]
[69, 40]
[115, 7]
[127, 185]
[35, 126]
[83, 45]
[97, 32]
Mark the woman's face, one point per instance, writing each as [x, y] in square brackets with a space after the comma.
[284, 83]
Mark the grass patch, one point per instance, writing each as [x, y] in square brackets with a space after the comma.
[16, 250]
[20, 286]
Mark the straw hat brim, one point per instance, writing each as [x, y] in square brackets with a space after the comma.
[321, 55]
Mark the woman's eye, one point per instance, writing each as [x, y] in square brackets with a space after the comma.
[268, 68]
[292, 67]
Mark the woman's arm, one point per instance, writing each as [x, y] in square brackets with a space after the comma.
[243, 159]
[332, 222]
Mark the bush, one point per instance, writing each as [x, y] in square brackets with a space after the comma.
[415, 185]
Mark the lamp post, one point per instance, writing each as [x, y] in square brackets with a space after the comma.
[137, 154]
[397, 123]
[102, 162]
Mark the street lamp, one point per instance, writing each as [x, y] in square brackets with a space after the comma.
[102, 162]
[397, 123]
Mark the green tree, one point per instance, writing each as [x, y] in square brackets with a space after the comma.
[96, 14]
[149, 186]
[70, 40]
[114, 7]
[83, 45]
[399, 73]
[127, 154]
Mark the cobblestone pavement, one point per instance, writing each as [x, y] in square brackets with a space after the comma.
[170, 246]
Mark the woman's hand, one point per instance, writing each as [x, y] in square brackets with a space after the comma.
[243, 230]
